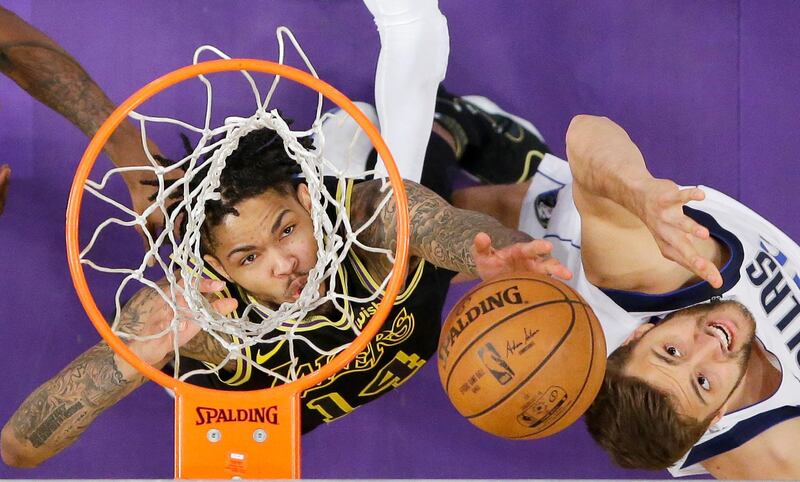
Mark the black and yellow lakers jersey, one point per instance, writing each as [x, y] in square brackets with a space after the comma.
[407, 339]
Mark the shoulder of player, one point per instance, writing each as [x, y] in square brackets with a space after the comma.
[628, 259]
[775, 449]
[371, 193]
[367, 196]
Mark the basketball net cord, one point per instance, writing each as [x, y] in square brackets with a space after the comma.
[181, 264]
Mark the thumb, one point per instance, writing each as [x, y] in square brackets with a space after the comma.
[187, 329]
[225, 306]
[482, 243]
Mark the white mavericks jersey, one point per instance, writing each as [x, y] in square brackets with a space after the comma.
[763, 273]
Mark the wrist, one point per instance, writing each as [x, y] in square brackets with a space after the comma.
[125, 149]
[146, 353]
[128, 372]
[638, 188]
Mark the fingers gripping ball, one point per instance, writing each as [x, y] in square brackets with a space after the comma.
[521, 356]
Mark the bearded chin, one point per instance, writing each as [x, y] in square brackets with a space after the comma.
[743, 358]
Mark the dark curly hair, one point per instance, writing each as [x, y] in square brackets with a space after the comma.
[258, 164]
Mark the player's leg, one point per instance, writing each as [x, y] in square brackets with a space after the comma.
[348, 148]
[493, 145]
[412, 63]
[501, 201]
[343, 142]
[439, 165]
[499, 147]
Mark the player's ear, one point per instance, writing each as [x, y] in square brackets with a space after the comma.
[214, 262]
[639, 332]
[304, 197]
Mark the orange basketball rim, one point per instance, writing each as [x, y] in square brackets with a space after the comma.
[270, 446]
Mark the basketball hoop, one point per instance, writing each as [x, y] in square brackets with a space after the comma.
[224, 434]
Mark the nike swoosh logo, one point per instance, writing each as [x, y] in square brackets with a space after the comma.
[261, 358]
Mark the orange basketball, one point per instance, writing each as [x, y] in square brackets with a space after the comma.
[522, 356]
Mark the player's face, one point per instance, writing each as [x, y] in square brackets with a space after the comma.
[269, 248]
[698, 355]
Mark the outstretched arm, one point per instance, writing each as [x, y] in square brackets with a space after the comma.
[49, 74]
[456, 239]
[634, 234]
[59, 411]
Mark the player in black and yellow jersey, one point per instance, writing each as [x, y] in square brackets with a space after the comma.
[259, 239]
[269, 266]
[408, 337]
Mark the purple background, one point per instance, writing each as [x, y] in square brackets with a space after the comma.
[709, 90]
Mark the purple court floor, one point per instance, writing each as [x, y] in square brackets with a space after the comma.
[709, 91]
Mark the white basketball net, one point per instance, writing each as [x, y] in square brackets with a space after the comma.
[183, 261]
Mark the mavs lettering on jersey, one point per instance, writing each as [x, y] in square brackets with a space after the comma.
[765, 273]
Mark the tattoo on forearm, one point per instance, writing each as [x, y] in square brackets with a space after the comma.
[136, 310]
[53, 422]
[444, 235]
[440, 233]
[57, 80]
[61, 409]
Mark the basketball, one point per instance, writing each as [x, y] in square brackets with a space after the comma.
[521, 356]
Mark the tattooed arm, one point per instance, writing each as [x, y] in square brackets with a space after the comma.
[48, 73]
[456, 239]
[43, 69]
[58, 412]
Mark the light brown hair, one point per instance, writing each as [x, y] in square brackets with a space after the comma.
[638, 425]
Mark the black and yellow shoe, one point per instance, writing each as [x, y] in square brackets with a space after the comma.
[494, 146]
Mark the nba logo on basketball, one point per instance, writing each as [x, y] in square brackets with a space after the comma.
[496, 365]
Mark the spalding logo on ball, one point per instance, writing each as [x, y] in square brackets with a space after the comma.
[522, 356]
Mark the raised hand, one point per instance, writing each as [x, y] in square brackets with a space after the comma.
[676, 234]
[525, 256]
[148, 314]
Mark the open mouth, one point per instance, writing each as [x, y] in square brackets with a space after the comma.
[724, 331]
